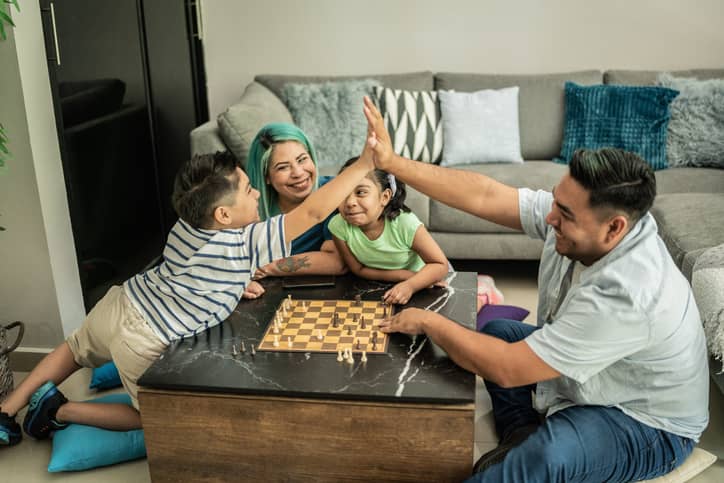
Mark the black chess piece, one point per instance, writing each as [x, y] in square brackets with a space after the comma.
[349, 330]
[362, 322]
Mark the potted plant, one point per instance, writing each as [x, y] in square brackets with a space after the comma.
[5, 20]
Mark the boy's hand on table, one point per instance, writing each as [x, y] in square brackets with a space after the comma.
[253, 291]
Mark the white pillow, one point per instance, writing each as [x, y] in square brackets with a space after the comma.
[698, 461]
[480, 127]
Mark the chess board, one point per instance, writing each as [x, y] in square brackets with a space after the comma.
[303, 324]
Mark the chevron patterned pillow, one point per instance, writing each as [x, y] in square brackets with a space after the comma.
[413, 121]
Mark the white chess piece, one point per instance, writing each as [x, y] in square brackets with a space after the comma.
[276, 328]
[364, 356]
[276, 341]
[319, 334]
[339, 356]
[289, 341]
[350, 359]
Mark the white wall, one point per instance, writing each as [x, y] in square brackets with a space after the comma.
[245, 38]
[38, 273]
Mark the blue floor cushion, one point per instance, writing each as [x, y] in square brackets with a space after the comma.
[79, 447]
[105, 377]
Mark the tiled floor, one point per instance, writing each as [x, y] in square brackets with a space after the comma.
[28, 461]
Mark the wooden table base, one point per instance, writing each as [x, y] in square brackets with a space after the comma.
[222, 437]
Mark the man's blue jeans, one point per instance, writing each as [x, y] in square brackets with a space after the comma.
[580, 443]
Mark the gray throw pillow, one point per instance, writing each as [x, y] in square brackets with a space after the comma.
[330, 114]
[239, 124]
[696, 130]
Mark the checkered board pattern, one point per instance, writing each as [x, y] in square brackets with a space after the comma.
[302, 324]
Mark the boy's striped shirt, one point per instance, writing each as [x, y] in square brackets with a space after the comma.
[203, 275]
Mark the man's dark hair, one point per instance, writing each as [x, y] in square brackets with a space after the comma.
[615, 179]
[396, 204]
[200, 185]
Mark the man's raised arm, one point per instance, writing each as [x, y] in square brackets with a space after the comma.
[471, 192]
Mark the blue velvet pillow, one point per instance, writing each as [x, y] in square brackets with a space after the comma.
[80, 447]
[105, 377]
[493, 311]
[634, 118]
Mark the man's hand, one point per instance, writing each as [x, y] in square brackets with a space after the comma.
[399, 294]
[378, 137]
[409, 321]
[253, 291]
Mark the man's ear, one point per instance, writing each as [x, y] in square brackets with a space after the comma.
[222, 215]
[617, 228]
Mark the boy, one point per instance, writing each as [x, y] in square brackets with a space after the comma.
[210, 254]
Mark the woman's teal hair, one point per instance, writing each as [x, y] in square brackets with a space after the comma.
[257, 163]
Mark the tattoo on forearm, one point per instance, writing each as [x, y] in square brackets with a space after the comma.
[291, 264]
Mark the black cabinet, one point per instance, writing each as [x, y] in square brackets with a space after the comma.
[128, 85]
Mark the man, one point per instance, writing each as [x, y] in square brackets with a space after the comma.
[618, 360]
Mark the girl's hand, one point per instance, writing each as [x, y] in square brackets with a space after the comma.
[253, 291]
[399, 294]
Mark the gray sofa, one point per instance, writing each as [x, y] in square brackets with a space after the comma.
[689, 207]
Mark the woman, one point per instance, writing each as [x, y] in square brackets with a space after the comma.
[282, 166]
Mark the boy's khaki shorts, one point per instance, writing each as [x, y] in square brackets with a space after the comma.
[114, 330]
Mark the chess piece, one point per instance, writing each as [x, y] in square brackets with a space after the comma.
[374, 345]
[253, 351]
[349, 330]
[289, 341]
[233, 350]
[276, 328]
[335, 318]
[344, 354]
[358, 300]
[358, 346]
[354, 318]
[289, 302]
[374, 336]
[243, 347]
[364, 356]
[350, 359]
[276, 341]
[339, 356]
[319, 334]
[363, 325]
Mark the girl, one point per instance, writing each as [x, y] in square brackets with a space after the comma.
[381, 239]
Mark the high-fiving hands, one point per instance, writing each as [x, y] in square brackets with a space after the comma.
[378, 139]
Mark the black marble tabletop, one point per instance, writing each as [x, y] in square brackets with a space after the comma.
[413, 369]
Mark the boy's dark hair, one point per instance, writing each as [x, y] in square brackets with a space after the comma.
[397, 202]
[200, 185]
[615, 179]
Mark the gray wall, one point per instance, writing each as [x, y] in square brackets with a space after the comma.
[386, 36]
[38, 274]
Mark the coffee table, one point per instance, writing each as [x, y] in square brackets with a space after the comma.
[403, 415]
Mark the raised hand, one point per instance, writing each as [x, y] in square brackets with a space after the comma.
[379, 140]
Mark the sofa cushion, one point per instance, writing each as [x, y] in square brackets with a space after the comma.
[414, 122]
[648, 77]
[330, 114]
[689, 180]
[540, 103]
[239, 124]
[689, 224]
[696, 128]
[531, 174]
[480, 127]
[413, 81]
[634, 118]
